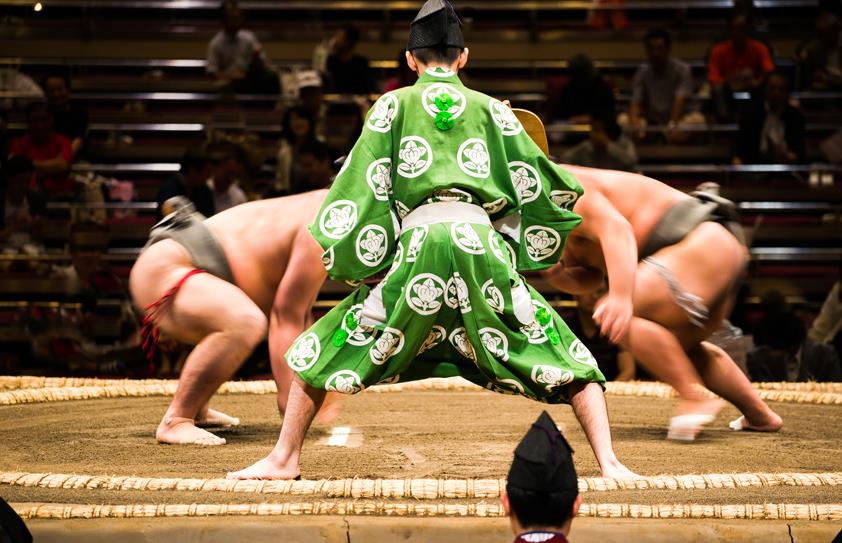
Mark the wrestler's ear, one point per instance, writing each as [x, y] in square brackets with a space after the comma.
[410, 61]
[504, 499]
[576, 505]
[463, 58]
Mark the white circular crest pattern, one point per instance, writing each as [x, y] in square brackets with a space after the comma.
[565, 199]
[581, 354]
[402, 208]
[526, 181]
[550, 377]
[304, 352]
[383, 114]
[344, 382]
[541, 242]
[379, 178]
[415, 156]
[504, 118]
[428, 99]
[436, 336]
[424, 293]
[419, 234]
[466, 238]
[345, 163]
[495, 342]
[327, 259]
[459, 339]
[494, 243]
[338, 218]
[372, 245]
[358, 336]
[533, 331]
[493, 296]
[387, 345]
[456, 294]
[473, 158]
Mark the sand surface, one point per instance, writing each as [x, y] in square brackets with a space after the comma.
[407, 435]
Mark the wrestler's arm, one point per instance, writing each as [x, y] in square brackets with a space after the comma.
[569, 276]
[614, 311]
[294, 298]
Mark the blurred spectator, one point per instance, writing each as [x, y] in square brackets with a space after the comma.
[348, 71]
[311, 96]
[236, 57]
[827, 328]
[738, 64]
[585, 96]
[18, 88]
[191, 181]
[297, 130]
[68, 118]
[611, 10]
[790, 356]
[50, 152]
[22, 207]
[607, 147]
[228, 168]
[616, 363]
[101, 337]
[542, 490]
[316, 161]
[820, 59]
[404, 78]
[774, 131]
[663, 87]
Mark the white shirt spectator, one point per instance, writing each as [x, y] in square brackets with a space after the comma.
[234, 196]
[231, 54]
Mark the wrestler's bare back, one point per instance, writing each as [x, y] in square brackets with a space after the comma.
[258, 239]
[641, 200]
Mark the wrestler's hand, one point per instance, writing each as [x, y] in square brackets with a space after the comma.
[613, 314]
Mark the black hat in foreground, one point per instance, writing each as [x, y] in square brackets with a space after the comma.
[544, 460]
[436, 25]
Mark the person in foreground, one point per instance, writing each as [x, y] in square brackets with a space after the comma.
[218, 284]
[542, 490]
[673, 261]
[445, 191]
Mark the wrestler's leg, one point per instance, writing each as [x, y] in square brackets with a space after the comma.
[660, 353]
[283, 462]
[722, 376]
[588, 404]
[231, 325]
[216, 316]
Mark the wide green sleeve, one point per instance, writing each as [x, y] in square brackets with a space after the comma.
[546, 196]
[357, 226]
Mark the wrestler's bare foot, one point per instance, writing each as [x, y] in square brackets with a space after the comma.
[212, 417]
[268, 468]
[771, 422]
[691, 417]
[183, 431]
[616, 470]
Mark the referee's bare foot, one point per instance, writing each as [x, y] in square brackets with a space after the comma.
[212, 417]
[183, 431]
[266, 469]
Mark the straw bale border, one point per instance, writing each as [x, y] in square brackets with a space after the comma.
[419, 489]
[82, 389]
[769, 511]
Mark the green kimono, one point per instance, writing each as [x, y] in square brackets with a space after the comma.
[446, 193]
